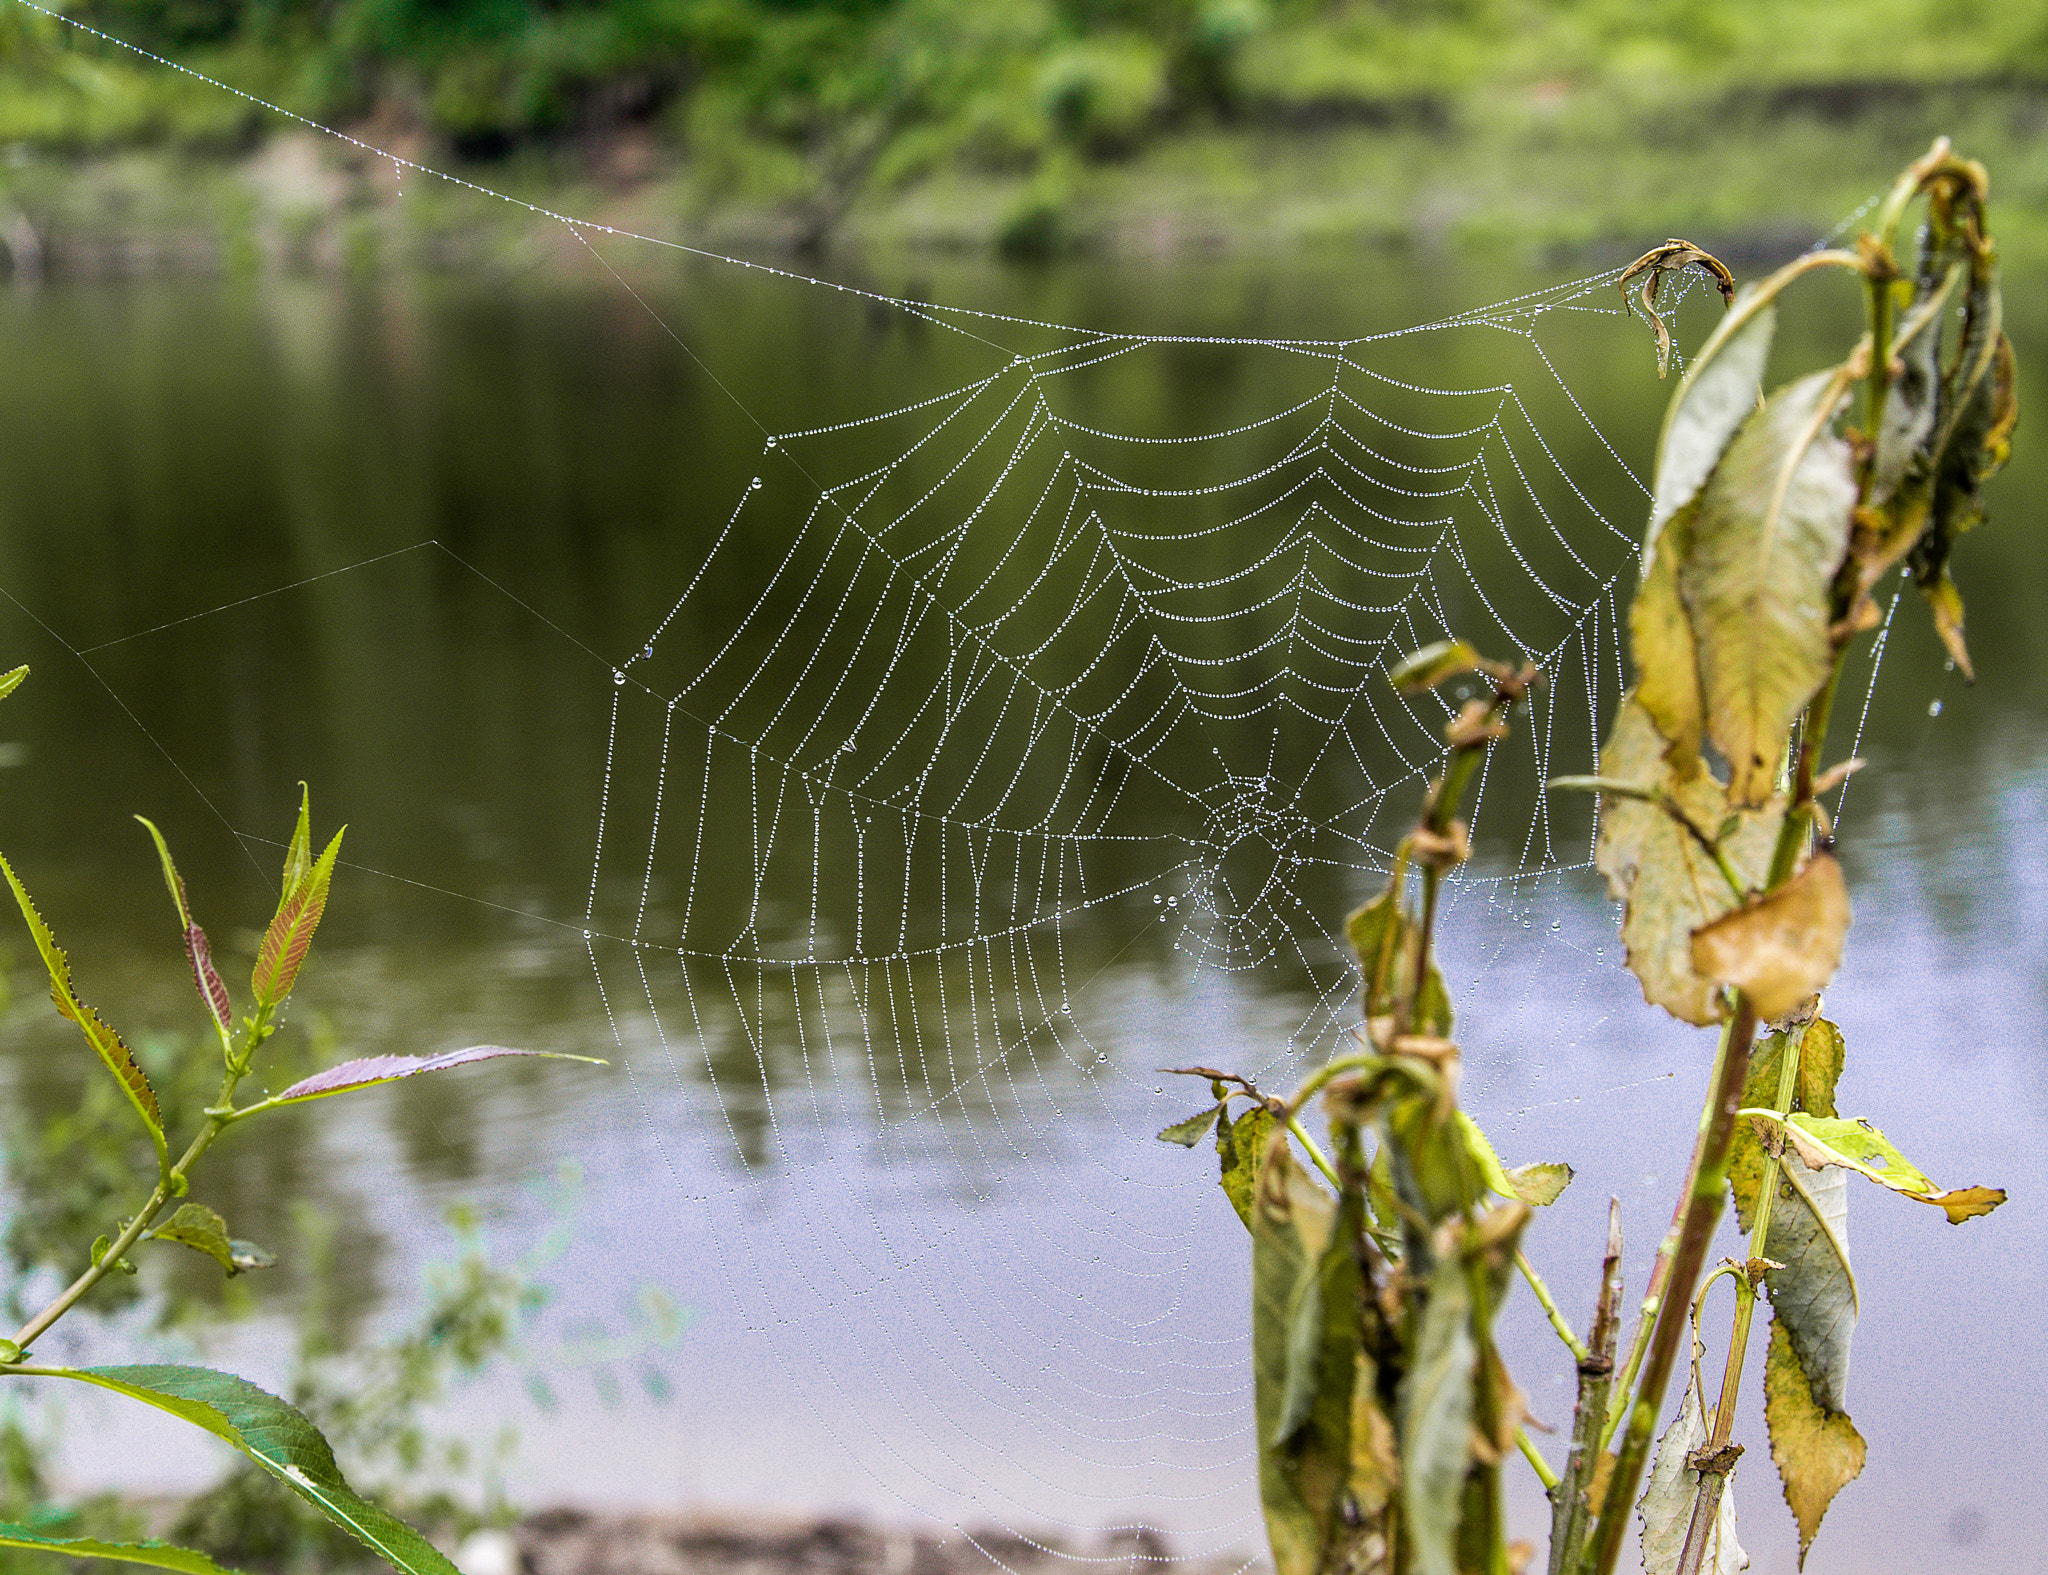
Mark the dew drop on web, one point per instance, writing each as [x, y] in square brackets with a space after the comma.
[1934, 708]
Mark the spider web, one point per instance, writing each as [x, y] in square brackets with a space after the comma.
[1018, 738]
[1015, 736]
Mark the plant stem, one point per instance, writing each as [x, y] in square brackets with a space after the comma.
[1702, 1214]
[1569, 1508]
[1537, 1463]
[1549, 1304]
[1706, 1505]
[1759, 1235]
[1660, 1270]
[1315, 1153]
[217, 1121]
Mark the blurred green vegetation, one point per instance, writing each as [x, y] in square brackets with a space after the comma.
[822, 107]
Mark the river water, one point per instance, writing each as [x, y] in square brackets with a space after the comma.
[483, 563]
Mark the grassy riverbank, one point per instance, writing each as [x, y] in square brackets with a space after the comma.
[1033, 127]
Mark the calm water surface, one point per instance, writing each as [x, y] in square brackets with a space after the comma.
[884, 1011]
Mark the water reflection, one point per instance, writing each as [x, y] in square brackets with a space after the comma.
[950, 834]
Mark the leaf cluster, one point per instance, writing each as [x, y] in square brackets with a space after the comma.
[273, 1436]
[1774, 516]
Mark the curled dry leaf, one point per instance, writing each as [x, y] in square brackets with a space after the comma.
[1780, 948]
[1668, 881]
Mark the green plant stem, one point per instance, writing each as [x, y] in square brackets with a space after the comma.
[168, 1186]
[1660, 1269]
[1702, 1213]
[1569, 1507]
[1315, 1153]
[1759, 1235]
[1706, 1504]
[1550, 1310]
[1537, 1463]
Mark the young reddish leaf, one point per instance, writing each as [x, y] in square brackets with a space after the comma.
[213, 989]
[97, 1033]
[298, 853]
[290, 935]
[369, 1069]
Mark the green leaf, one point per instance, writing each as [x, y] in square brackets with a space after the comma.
[1191, 1131]
[1376, 932]
[1667, 880]
[1385, 941]
[1534, 1184]
[97, 1032]
[1667, 1502]
[1857, 1145]
[1436, 1415]
[212, 988]
[277, 1438]
[1820, 1067]
[1718, 394]
[1540, 1184]
[1299, 1287]
[1781, 948]
[1663, 649]
[1814, 1292]
[9, 682]
[9, 1351]
[290, 935]
[1770, 530]
[1431, 665]
[161, 1555]
[1239, 1145]
[200, 1228]
[1818, 1452]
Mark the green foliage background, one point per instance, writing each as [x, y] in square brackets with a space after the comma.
[823, 104]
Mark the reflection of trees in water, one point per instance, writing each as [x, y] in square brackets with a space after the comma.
[791, 1053]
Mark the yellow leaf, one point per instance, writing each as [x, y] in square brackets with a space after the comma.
[1782, 947]
[1668, 881]
[1818, 1452]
